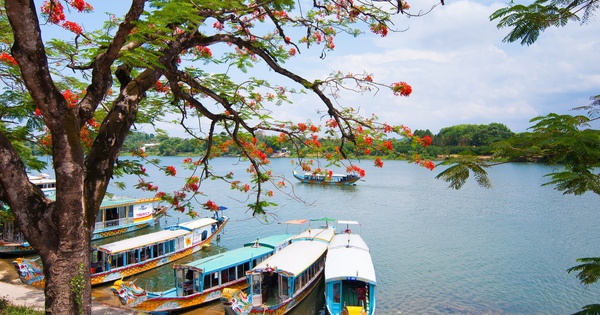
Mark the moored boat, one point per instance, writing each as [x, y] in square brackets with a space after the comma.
[283, 280]
[116, 216]
[202, 280]
[327, 179]
[46, 183]
[350, 280]
[128, 257]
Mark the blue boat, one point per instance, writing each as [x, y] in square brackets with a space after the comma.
[327, 179]
[202, 280]
[282, 281]
[350, 280]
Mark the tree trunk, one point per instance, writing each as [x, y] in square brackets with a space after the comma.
[68, 289]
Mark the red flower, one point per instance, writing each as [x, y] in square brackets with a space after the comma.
[367, 151]
[302, 127]
[292, 51]
[38, 112]
[426, 141]
[73, 27]
[428, 165]
[401, 88]
[71, 98]
[204, 52]
[170, 170]
[388, 145]
[378, 162]
[54, 10]
[314, 128]
[5, 57]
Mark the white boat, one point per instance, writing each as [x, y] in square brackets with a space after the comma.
[202, 280]
[117, 215]
[113, 261]
[283, 280]
[350, 280]
[45, 182]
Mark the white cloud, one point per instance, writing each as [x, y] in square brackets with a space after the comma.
[462, 72]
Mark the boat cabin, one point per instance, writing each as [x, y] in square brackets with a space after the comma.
[222, 270]
[151, 246]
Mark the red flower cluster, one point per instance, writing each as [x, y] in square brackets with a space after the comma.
[401, 88]
[204, 51]
[425, 141]
[302, 127]
[170, 170]
[378, 162]
[210, 205]
[71, 98]
[388, 145]
[73, 27]
[380, 29]
[354, 168]
[6, 58]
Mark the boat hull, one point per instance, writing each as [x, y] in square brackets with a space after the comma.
[325, 181]
[33, 275]
[153, 303]
[238, 303]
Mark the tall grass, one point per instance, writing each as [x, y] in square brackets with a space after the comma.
[7, 308]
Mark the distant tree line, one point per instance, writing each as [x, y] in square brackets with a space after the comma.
[464, 138]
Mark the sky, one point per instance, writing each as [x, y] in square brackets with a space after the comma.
[460, 70]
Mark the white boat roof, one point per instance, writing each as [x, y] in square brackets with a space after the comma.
[348, 222]
[156, 237]
[294, 258]
[348, 256]
[320, 234]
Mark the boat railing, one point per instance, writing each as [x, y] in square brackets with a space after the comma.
[113, 223]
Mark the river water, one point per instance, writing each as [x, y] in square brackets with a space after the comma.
[503, 250]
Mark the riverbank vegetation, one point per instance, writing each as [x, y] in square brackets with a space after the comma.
[459, 139]
[7, 308]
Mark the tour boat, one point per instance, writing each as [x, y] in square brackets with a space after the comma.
[128, 257]
[45, 182]
[117, 215]
[327, 179]
[349, 275]
[282, 281]
[202, 280]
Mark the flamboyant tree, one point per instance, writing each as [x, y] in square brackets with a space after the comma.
[77, 98]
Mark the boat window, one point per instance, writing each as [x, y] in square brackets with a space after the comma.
[117, 261]
[211, 280]
[122, 212]
[228, 275]
[256, 284]
[241, 270]
[132, 256]
[169, 246]
[111, 216]
[130, 212]
[284, 286]
[145, 253]
[204, 235]
[336, 292]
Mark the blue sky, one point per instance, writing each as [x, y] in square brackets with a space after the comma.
[460, 70]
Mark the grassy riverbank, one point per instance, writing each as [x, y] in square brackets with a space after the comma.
[6, 308]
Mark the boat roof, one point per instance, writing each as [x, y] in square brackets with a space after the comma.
[233, 257]
[154, 238]
[320, 234]
[348, 256]
[271, 241]
[294, 258]
[125, 201]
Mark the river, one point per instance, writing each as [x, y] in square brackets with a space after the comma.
[503, 250]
